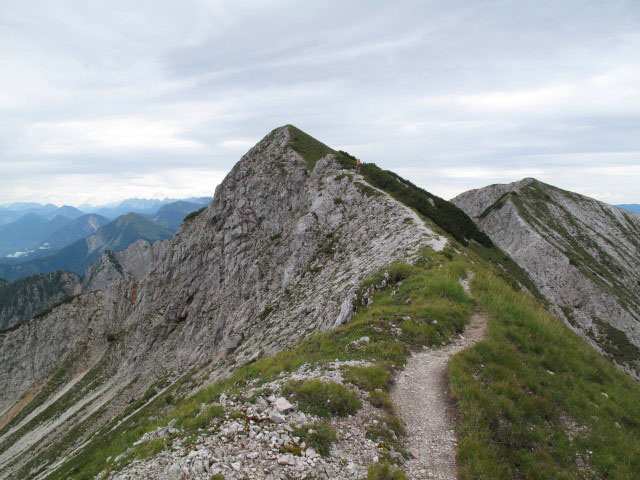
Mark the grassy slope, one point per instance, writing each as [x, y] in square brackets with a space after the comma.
[517, 419]
[435, 294]
[537, 402]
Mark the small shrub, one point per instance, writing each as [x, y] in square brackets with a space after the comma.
[384, 471]
[337, 201]
[193, 215]
[217, 476]
[381, 399]
[320, 436]
[324, 399]
[369, 378]
[387, 432]
[292, 449]
[398, 271]
[150, 447]
[203, 419]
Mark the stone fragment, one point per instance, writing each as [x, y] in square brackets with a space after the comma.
[276, 417]
[282, 405]
[286, 460]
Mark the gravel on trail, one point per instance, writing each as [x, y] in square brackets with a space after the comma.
[422, 400]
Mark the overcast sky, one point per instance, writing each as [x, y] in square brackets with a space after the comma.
[101, 101]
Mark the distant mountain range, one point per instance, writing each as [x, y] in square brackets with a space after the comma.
[139, 205]
[172, 214]
[29, 230]
[75, 257]
[75, 230]
[12, 212]
[28, 233]
[630, 207]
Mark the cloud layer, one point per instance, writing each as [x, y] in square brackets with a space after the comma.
[107, 100]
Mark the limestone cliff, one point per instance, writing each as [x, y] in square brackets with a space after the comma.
[583, 255]
[278, 254]
[26, 297]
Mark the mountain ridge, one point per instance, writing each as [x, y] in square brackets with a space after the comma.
[300, 254]
[581, 253]
[209, 282]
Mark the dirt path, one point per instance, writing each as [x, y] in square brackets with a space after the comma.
[422, 400]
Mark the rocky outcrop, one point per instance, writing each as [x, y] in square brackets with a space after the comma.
[112, 267]
[583, 256]
[26, 297]
[278, 254]
[34, 295]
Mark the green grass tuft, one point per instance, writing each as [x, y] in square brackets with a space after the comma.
[385, 471]
[150, 448]
[325, 399]
[320, 436]
[369, 378]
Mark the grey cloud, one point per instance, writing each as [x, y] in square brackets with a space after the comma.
[120, 90]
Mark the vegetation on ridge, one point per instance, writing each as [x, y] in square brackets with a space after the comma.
[445, 214]
[391, 323]
[537, 402]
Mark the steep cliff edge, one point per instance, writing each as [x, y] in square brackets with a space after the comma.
[26, 297]
[278, 254]
[582, 254]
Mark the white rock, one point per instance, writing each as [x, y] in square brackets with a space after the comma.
[282, 405]
[286, 460]
[276, 417]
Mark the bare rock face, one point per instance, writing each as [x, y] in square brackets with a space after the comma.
[583, 255]
[24, 298]
[135, 261]
[277, 255]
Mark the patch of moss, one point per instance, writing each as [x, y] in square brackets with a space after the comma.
[616, 343]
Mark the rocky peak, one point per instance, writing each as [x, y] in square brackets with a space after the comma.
[277, 255]
[582, 254]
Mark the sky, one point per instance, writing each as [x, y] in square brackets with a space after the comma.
[102, 101]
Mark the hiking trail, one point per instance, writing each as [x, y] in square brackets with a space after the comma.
[422, 400]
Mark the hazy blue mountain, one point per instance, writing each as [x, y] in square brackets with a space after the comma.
[67, 211]
[144, 206]
[27, 233]
[33, 207]
[8, 216]
[114, 236]
[132, 205]
[76, 230]
[172, 214]
[630, 207]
